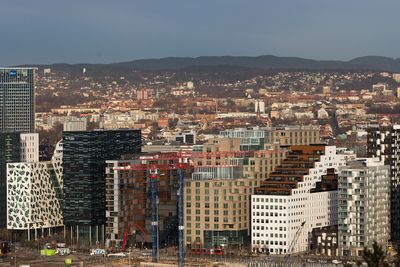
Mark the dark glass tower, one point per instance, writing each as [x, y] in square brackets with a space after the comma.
[84, 156]
[10, 146]
[17, 100]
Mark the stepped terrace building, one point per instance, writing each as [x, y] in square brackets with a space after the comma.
[300, 195]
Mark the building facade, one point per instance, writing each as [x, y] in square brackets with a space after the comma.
[300, 195]
[75, 125]
[33, 196]
[84, 157]
[383, 142]
[364, 206]
[217, 197]
[17, 100]
[10, 151]
[128, 202]
[255, 138]
[29, 147]
[325, 241]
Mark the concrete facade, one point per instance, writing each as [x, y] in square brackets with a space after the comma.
[364, 206]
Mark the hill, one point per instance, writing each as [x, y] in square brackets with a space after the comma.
[266, 62]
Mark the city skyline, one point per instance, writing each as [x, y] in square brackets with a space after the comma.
[68, 32]
[242, 133]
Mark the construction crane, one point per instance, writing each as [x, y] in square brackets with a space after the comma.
[151, 163]
[178, 161]
[137, 228]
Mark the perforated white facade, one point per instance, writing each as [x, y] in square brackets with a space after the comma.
[33, 191]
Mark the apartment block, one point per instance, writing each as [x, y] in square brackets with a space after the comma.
[383, 142]
[29, 147]
[364, 206]
[217, 199]
[217, 211]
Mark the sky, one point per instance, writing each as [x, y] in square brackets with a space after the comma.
[107, 31]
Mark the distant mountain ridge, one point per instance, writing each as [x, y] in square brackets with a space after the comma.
[266, 62]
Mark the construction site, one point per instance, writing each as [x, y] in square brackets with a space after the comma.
[201, 207]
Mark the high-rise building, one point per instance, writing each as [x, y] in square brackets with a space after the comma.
[17, 100]
[300, 195]
[364, 200]
[84, 165]
[10, 151]
[128, 194]
[383, 142]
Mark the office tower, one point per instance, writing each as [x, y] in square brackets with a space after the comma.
[132, 188]
[17, 100]
[300, 195]
[364, 200]
[10, 151]
[84, 157]
[383, 142]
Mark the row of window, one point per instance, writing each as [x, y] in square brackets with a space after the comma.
[269, 242]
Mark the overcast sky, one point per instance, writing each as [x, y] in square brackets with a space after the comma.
[94, 31]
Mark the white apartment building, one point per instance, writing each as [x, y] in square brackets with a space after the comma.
[76, 125]
[29, 147]
[364, 206]
[300, 195]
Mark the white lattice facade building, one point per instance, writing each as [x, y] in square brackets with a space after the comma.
[33, 195]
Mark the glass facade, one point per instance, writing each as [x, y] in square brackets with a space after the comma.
[17, 100]
[10, 145]
[84, 157]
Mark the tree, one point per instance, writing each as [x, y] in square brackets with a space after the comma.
[374, 257]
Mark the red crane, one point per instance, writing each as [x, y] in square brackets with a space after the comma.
[141, 230]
